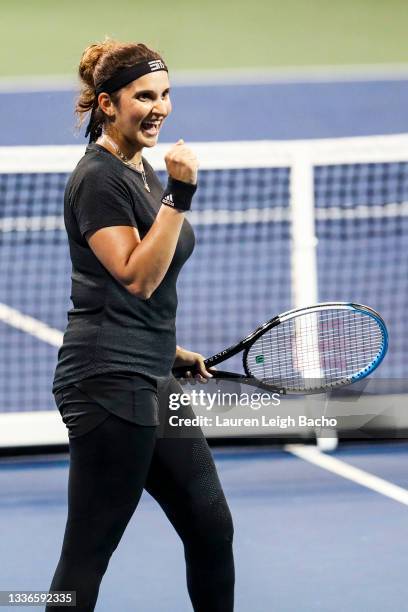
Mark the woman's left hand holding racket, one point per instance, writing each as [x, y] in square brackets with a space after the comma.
[185, 358]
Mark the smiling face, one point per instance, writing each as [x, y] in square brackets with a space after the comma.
[138, 114]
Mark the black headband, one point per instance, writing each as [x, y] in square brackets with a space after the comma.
[120, 79]
[126, 75]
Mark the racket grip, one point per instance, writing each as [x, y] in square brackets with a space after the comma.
[218, 374]
[180, 372]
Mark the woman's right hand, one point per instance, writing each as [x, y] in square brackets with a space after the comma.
[181, 163]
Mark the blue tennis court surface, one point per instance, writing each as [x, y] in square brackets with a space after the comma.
[230, 112]
[307, 540]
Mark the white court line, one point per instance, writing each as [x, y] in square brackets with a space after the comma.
[228, 76]
[30, 325]
[210, 216]
[313, 455]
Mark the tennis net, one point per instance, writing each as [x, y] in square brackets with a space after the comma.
[257, 214]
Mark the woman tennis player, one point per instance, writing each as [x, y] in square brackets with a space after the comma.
[128, 240]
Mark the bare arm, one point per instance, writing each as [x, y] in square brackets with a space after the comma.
[140, 265]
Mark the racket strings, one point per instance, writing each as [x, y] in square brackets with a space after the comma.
[316, 350]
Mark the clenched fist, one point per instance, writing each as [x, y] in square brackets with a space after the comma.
[181, 163]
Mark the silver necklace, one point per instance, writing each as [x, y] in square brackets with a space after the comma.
[127, 161]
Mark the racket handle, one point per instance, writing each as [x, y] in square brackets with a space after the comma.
[182, 371]
[209, 363]
[234, 377]
[218, 374]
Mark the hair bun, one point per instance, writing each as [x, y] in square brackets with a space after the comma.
[91, 56]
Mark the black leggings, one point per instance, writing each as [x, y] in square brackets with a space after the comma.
[109, 467]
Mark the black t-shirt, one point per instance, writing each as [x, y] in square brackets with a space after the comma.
[109, 330]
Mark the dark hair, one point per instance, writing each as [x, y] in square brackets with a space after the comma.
[100, 62]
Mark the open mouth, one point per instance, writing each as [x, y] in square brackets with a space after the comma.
[151, 127]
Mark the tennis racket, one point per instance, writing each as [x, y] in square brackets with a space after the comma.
[308, 350]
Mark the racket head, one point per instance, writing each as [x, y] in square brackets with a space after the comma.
[318, 348]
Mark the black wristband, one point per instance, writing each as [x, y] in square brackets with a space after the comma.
[178, 194]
